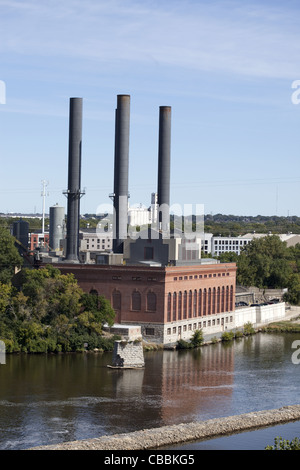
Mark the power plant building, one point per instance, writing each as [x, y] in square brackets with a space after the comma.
[154, 278]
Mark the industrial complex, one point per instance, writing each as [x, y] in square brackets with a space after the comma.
[156, 279]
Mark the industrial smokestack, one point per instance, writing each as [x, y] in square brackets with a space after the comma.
[122, 126]
[164, 161]
[74, 179]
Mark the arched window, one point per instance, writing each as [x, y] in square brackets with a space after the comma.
[200, 303]
[174, 305]
[151, 302]
[223, 299]
[218, 300]
[231, 298]
[227, 299]
[190, 303]
[204, 301]
[179, 305]
[209, 302]
[184, 304]
[214, 301]
[195, 304]
[94, 292]
[169, 307]
[136, 300]
[116, 299]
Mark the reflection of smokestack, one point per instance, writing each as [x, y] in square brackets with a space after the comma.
[121, 171]
[74, 179]
[164, 158]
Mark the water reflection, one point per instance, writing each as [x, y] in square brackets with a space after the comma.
[192, 381]
[49, 399]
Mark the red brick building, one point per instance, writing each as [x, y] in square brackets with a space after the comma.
[168, 303]
[38, 240]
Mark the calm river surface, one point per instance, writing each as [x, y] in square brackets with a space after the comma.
[51, 399]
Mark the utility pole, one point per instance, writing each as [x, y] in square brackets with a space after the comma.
[44, 184]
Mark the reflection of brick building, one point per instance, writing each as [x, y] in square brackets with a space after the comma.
[168, 303]
[202, 379]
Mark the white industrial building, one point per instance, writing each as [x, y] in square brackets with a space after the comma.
[216, 245]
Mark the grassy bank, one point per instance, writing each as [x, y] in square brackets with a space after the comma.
[287, 326]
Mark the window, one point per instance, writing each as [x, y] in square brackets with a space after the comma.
[174, 305]
[116, 300]
[190, 303]
[179, 304]
[200, 303]
[209, 302]
[151, 302]
[204, 301]
[184, 303]
[227, 298]
[169, 307]
[136, 301]
[214, 300]
[195, 304]
[149, 331]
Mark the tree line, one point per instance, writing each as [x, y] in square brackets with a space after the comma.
[42, 310]
[267, 262]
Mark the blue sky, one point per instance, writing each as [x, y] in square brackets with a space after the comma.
[225, 67]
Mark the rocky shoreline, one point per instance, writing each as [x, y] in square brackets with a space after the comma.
[182, 433]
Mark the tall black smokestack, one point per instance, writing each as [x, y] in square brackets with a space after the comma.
[164, 163]
[74, 179]
[121, 171]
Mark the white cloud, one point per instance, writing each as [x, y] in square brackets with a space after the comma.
[230, 37]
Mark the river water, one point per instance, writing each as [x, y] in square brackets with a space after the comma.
[48, 399]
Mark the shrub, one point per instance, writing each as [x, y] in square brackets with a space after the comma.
[197, 338]
[182, 344]
[227, 336]
[238, 334]
[248, 329]
[285, 444]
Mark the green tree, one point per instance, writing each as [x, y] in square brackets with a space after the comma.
[100, 307]
[9, 256]
[264, 262]
[197, 338]
[50, 293]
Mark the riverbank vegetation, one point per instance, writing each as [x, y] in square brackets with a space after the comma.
[284, 444]
[282, 327]
[48, 312]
